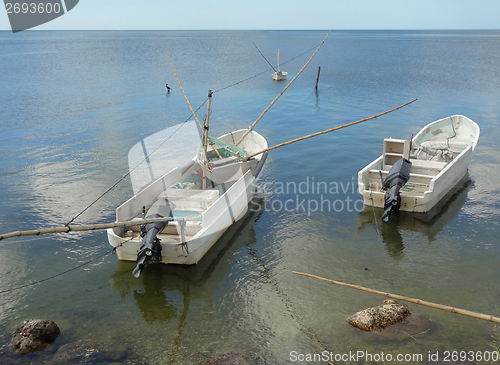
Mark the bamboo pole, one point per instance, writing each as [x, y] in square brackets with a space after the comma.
[187, 100]
[464, 312]
[183, 93]
[204, 180]
[92, 227]
[281, 93]
[327, 131]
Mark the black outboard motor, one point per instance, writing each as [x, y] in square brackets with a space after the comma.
[151, 247]
[398, 176]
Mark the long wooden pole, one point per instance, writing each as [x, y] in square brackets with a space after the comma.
[464, 312]
[183, 93]
[281, 93]
[92, 227]
[207, 123]
[327, 131]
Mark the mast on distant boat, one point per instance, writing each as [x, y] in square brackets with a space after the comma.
[279, 60]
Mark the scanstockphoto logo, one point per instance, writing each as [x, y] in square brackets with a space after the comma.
[310, 195]
[30, 14]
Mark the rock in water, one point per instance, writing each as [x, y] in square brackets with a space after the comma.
[34, 335]
[372, 319]
[88, 352]
[412, 326]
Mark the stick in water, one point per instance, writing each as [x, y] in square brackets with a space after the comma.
[446, 308]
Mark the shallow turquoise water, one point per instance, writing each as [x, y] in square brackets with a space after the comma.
[74, 103]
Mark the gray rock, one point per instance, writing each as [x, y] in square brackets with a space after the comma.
[34, 335]
[413, 326]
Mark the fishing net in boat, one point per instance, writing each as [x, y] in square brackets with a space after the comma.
[434, 151]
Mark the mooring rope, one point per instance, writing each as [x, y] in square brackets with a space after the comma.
[59, 274]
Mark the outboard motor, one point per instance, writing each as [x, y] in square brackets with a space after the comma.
[151, 247]
[398, 176]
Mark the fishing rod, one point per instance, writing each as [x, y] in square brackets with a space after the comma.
[183, 93]
[327, 131]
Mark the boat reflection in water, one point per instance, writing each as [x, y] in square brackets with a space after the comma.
[157, 290]
[430, 224]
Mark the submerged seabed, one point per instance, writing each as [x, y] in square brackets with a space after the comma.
[74, 103]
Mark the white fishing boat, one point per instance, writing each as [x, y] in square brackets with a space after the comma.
[199, 203]
[279, 75]
[415, 175]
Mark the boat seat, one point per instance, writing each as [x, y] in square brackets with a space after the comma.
[190, 199]
[428, 165]
[224, 161]
[416, 178]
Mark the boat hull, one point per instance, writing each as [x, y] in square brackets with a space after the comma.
[280, 75]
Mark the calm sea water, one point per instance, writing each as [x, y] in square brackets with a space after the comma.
[74, 103]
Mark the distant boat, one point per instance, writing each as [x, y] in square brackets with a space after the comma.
[279, 75]
[415, 175]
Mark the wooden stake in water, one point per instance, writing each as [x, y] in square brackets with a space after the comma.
[317, 78]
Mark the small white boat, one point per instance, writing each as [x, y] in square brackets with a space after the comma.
[437, 158]
[279, 75]
[198, 214]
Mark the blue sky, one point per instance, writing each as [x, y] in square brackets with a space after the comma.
[276, 14]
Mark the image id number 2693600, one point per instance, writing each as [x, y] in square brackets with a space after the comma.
[470, 356]
[40, 8]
